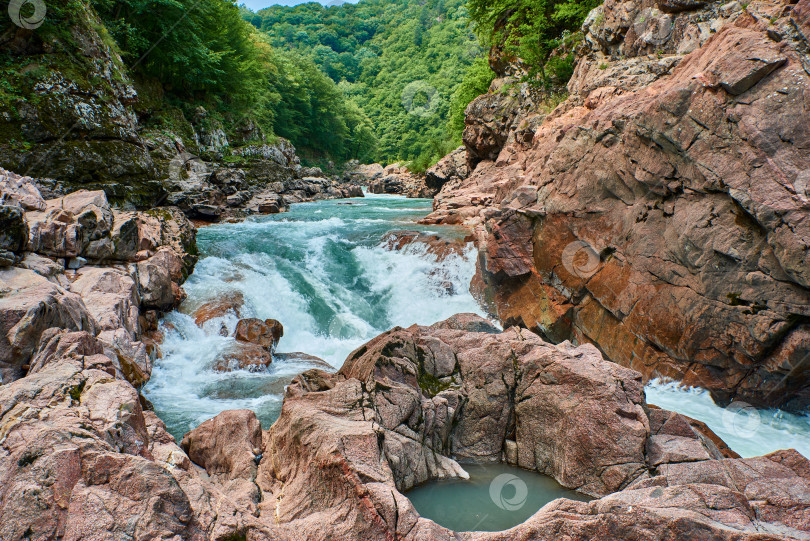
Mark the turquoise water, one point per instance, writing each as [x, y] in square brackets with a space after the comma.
[322, 270]
[496, 497]
[747, 430]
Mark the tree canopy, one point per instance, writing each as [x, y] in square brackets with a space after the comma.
[399, 61]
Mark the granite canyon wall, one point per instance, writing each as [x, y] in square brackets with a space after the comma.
[661, 211]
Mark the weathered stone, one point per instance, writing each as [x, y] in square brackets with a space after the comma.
[29, 305]
[229, 447]
[265, 333]
[628, 221]
[13, 229]
[20, 191]
[675, 6]
[452, 167]
[54, 232]
[111, 296]
[387, 421]
[440, 246]
[156, 288]
[82, 468]
[56, 343]
[131, 355]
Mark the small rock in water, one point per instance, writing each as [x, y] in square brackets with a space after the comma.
[76, 263]
[243, 356]
[265, 333]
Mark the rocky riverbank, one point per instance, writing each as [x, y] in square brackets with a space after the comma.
[660, 212]
[80, 456]
[393, 179]
[655, 217]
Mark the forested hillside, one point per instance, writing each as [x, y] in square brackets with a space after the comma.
[400, 61]
[382, 80]
[205, 53]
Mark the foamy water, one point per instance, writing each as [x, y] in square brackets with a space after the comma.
[322, 271]
[748, 431]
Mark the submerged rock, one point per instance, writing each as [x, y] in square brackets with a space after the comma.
[243, 356]
[227, 303]
[440, 246]
[265, 333]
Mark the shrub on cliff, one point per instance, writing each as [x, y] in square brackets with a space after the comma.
[528, 32]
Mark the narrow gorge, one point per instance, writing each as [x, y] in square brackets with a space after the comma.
[219, 320]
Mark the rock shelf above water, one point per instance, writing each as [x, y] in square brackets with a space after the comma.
[80, 458]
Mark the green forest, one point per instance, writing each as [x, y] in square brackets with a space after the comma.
[412, 66]
[399, 61]
[381, 80]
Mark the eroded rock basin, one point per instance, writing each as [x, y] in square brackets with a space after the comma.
[495, 497]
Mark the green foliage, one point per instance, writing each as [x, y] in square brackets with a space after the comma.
[476, 82]
[189, 45]
[202, 52]
[529, 32]
[398, 61]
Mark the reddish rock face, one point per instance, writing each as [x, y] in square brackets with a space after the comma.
[451, 168]
[265, 333]
[660, 212]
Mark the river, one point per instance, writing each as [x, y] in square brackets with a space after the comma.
[324, 272]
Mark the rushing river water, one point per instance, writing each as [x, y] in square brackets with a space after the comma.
[322, 270]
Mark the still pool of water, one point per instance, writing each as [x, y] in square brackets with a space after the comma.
[496, 497]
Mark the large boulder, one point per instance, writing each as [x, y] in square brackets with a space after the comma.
[20, 191]
[54, 232]
[157, 279]
[111, 296]
[408, 404]
[452, 167]
[29, 305]
[82, 467]
[229, 448]
[73, 225]
[131, 356]
[83, 224]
